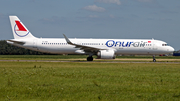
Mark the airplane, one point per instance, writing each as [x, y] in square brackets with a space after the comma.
[102, 48]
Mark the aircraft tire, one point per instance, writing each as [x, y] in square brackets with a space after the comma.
[90, 58]
[154, 60]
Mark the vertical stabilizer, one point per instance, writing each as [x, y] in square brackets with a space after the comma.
[18, 29]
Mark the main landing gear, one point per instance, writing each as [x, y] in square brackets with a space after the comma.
[90, 58]
[154, 59]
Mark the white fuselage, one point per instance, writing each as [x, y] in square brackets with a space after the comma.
[120, 46]
[103, 48]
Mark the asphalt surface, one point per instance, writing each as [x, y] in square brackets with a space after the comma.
[82, 61]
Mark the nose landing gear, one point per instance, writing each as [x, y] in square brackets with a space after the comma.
[154, 59]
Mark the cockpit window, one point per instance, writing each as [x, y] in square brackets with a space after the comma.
[165, 45]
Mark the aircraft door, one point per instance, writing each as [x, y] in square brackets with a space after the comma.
[35, 43]
[154, 45]
[79, 43]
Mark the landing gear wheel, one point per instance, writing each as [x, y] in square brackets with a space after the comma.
[90, 58]
[154, 59]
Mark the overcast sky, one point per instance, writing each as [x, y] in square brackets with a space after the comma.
[119, 19]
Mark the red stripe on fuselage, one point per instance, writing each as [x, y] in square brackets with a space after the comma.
[20, 26]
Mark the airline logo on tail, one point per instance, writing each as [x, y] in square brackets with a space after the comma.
[20, 30]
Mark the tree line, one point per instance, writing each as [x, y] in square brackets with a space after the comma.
[7, 49]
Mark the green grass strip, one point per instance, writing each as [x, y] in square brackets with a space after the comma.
[42, 81]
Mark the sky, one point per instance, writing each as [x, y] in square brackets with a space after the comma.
[112, 19]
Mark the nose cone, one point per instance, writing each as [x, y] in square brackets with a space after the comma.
[171, 49]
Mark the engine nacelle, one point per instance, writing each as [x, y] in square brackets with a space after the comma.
[106, 54]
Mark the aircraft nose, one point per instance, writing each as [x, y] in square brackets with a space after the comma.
[171, 49]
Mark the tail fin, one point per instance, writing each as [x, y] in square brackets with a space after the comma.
[18, 29]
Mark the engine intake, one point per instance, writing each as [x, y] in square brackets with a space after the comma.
[106, 54]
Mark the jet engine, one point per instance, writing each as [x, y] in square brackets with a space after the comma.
[106, 54]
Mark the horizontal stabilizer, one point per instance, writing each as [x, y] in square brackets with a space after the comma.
[17, 42]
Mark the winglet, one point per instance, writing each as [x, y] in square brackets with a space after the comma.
[67, 40]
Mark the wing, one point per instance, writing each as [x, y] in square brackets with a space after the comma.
[82, 47]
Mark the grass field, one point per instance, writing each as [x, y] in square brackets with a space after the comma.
[62, 81]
